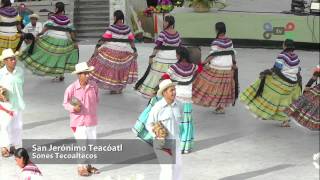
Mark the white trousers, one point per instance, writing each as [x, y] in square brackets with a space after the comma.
[82, 133]
[170, 171]
[11, 130]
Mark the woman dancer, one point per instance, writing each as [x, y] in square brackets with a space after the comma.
[276, 88]
[115, 57]
[56, 51]
[217, 86]
[306, 110]
[163, 56]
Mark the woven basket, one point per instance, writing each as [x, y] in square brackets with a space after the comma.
[200, 7]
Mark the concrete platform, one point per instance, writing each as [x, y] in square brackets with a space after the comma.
[234, 146]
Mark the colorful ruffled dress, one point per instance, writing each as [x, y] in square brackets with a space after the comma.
[115, 61]
[216, 86]
[275, 90]
[166, 45]
[54, 52]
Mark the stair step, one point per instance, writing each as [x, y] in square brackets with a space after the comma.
[91, 23]
[91, 29]
[92, 13]
[98, 31]
[93, 3]
[100, 25]
[97, 8]
[88, 35]
[91, 18]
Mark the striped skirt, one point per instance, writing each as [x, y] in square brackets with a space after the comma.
[187, 128]
[149, 87]
[306, 110]
[114, 69]
[8, 42]
[51, 57]
[140, 127]
[214, 88]
[276, 97]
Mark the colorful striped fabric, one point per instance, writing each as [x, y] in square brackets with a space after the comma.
[182, 71]
[289, 58]
[9, 42]
[223, 43]
[114, 69]
[8, 12]
[167, 39]
[214, 88]
[51, 57]
[276, 97]
[187, 129]
[306, 110]
[119, 29]
[140, 126]
[60, 20]
[148, 87]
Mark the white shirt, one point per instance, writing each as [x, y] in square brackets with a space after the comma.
[13, 82]
[169, 115]
[221, 62]
[35, 30]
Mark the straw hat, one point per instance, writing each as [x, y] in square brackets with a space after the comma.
[82, 67]
[7, 53]
[34, 16]
[164, 85]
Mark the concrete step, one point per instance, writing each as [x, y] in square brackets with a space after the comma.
[88, 3]
[92, 18]
[88, 35]
[92, 13]
[90, 9]
[91, 23]
[91, 29]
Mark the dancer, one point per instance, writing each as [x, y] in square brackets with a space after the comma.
[276, 88]
[183, 73]
[28, 169]
[115, 57]
[163, 56]
[167, 112]
[9, 27]
[56, 52]
[12, 80]
[34, 26]
[306, 110]
[81, 100]
[217, 86]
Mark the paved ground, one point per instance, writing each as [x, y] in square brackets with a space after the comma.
[233, 146]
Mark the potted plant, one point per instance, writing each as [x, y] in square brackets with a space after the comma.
[205, 5]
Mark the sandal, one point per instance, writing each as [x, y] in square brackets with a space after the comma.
[219, 111]
[58, 79]
[285, 124]
[82, 171]
[5, 152]
[93, 170]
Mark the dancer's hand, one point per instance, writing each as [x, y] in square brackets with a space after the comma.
[77, 108]
[76, 46]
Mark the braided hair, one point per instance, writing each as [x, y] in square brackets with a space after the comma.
[118, 14]
[170, 20]
[220, 28]
[60, 8]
